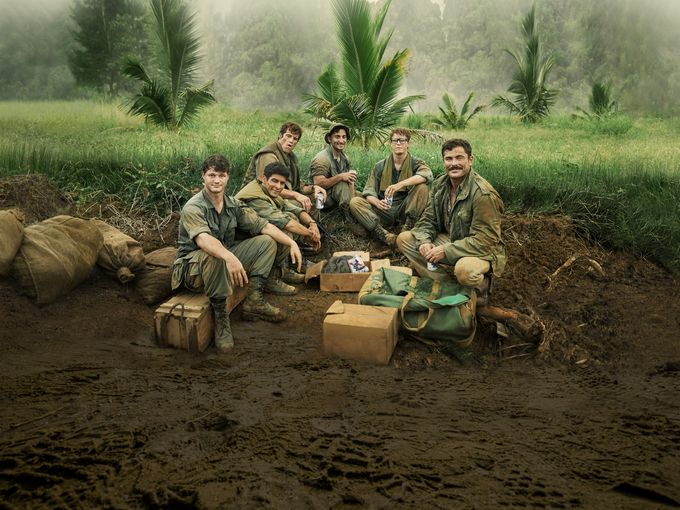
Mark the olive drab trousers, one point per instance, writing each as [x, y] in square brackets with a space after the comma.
[338, 195]
[411, 206]
[200, 272]
[468, 271]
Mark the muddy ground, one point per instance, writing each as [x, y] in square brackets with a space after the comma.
[94, 415]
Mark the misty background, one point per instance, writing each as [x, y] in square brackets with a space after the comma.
[266, 54]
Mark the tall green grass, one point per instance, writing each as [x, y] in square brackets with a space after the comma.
[620, 180]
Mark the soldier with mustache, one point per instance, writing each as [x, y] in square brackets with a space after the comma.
[458, 237]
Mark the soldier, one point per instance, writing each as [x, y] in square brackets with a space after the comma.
[396, 191]
[210, 260]
[459, 234]
[264, 197]
[282, 151]
[332, 170]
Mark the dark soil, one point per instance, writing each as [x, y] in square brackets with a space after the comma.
[94, 415]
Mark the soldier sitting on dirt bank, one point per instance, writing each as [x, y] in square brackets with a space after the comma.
[332, 170]
[264, 197]
[396, 191]
[210, 260]
[281, 151]
[460, 230]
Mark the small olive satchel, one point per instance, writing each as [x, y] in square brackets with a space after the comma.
[431, 309]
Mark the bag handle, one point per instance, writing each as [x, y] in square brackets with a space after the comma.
[402, 312]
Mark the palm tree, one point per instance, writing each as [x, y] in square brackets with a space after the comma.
[601, 102]
[172, 100]
[364, 96]
[532, 100]
[449, 117]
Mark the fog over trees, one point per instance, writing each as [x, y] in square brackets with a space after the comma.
[266, 54]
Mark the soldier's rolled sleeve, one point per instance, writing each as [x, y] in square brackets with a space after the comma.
[249, 220]
[369, 188]
[320, 167]
[424, 171]
[194, 221]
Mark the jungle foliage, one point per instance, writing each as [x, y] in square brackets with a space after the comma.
[171, 100]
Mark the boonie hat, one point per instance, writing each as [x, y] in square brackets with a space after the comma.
[333, 129]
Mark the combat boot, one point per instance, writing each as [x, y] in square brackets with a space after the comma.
[408, 224]
[224, 340]
[288, 275]
[384, 236]
[254, 307]
[275, 286]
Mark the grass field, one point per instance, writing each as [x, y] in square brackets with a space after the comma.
[620, 178]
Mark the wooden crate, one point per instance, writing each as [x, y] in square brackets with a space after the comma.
[185, 321]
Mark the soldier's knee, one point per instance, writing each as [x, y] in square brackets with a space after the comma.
[405, 239]
[356, 204]
[470, 271]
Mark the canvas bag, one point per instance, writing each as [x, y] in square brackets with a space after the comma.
[55, 256]
[432, 309]
[121, 255]
[11, 235]
[154, 281]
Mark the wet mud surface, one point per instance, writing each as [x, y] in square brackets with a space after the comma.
[94, 415]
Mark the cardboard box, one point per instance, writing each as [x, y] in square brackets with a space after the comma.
[347, 282]
[359, 332]
[185, 321]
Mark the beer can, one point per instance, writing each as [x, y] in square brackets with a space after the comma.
[431, 266]
[320, 200]
[389, 200]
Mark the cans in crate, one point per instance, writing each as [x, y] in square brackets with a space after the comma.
[432, 267]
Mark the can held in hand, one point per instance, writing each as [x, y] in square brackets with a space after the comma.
[432, 267]
[389, 200]
[320, 200]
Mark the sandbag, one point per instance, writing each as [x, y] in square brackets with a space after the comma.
[11, 235]
[154, 282]
[55, 256]
[121, 256]
[437, 310]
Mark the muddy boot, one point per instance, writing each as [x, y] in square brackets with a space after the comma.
[279, 288]
[254, 307]
[288, 275]
[408, 224]
[223, 337]
[483, 291]
[384, 236]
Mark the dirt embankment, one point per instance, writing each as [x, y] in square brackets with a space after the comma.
[95, 415]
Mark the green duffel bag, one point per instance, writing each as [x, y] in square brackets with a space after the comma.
[431, 309]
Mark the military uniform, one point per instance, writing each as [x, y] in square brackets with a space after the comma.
[325, 165]
[200, 272]
[469, 228]
[409, 203]
[276, 211]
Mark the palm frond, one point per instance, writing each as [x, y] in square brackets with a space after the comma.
[134, 69]
[153, 104]
[195, 99]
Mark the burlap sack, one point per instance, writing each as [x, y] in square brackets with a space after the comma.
[154, 282]
[121, 256]
[11, 235]
[55, 256]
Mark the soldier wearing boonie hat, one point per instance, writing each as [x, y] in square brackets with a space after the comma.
[331, 169]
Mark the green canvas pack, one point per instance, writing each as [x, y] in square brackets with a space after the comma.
[432, 309]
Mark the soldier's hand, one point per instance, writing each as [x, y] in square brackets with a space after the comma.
[237, 274]
[304, 200]
[319, 189]
[425, 249]
[436, 254]
[295, 255]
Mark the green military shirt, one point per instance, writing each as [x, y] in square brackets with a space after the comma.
[276, 211]
[271, 154]
[325, 165]
[372, 187]
[199, 216]
[473, 223]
